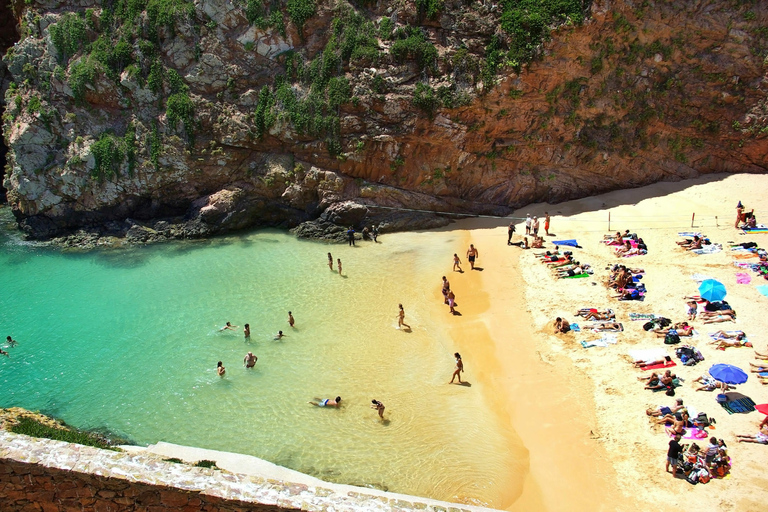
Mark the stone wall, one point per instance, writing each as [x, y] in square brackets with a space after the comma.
[51, 476]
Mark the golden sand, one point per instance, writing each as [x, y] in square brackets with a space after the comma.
[580, 413]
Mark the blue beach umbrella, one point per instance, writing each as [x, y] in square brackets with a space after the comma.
[712, 290]
[728, 373]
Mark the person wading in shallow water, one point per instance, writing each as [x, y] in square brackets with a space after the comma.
[375, 404]
[220, 369]
[291, 321]
[330, 262]
[250, 360]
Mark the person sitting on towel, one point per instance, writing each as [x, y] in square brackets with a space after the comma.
[663, 410]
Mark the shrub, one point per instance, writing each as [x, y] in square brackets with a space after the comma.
[68, 36]
[81, 73]
[429, 8]
[32, 427]
[424, 98]
[175, 82]
[165, 13]
[109, 153]
[412, 43]
[206, 464]
[179, 107]
[339, 92]
[34, 105]
[155, 78]
[300, 11]
[154, 145]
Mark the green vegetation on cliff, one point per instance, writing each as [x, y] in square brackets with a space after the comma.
[35, 428]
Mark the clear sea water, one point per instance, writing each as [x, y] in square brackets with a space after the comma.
[128, 340]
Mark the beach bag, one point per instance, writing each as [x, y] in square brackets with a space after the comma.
[648, 326]
[697, 355]
[703, 476]
[671, 338]
[702, 419]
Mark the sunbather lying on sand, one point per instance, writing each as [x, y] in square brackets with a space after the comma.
[605, 326]
[710, 314]
[568, 261]
[760, 438]
[688, 242]
[758, 368]
[674, 417]
[723, 344]
[632, 294]
[593, 314]
[663, 410]
[681, 328]
[709, 383]
[572, 271]
[664, 381]
[720, 316]
[733, 335]
[666, 360]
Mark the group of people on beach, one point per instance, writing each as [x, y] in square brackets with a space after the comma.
[531, 229]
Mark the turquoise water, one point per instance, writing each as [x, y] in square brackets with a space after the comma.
[128, 340]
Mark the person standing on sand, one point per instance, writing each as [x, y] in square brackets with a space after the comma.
[456, 262]
[351, 236]
[673, 454]
[330, 262]
[446, 289]
[220, 369]
[401, 318]
[249, 361]
[535, 226]
[375, 404]
[338, 260]
[247, 331]
[528, 224]
[510, 232]
[291, 321]
[471, 255]
[546, 223]
[375, 232]
[459, 368]
[451, 301]
[739, 214]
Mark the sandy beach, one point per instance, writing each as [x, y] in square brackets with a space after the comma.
[580, 413]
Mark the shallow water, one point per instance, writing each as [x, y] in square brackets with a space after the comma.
[128, 340]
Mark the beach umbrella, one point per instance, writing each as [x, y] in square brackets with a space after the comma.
[763, 408]
[728, 373]
[712, 290]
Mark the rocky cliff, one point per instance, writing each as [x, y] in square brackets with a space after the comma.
[167, 118]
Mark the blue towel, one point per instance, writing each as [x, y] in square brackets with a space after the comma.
[575, 328]
[763, 289]
[571, 243]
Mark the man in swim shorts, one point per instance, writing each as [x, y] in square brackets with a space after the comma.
[326, 402]
[546, 223]
[250, 360]
[471, 255]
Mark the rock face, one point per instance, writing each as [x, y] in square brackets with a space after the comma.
[230, 115]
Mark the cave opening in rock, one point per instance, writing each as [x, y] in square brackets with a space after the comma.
[9, 35]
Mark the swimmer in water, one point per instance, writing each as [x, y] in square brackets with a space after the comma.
[247, 331]
[220, 369]
[279, 335]
[291, 321]
[4, 353]
[228, 327]
[250, 360]
[11, 342]
[327, 402]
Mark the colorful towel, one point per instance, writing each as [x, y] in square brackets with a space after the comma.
[742, 405]
[708, 249]
[690, 433]
[660, 366]
[577, 276]
[742, 278]
[689, 234]
[641, 316]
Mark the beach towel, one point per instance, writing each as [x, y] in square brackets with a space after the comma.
[646, 354]
[577, 276]
[689, 234]
[660, 366]
[690, 433]
[763, 374]
[595, 343]
[708, 249]
[570, 243]
[575, 328]
[742, 405]
[762, 289]
[742, 278]
[641, 316]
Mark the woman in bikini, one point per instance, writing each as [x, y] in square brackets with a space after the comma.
[459, 368]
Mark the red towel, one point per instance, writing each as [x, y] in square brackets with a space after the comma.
[658, 366]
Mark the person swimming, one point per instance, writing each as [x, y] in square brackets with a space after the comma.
[220, 370]
[327, 402]
[228, 327]
[11, 342]
[279, 335]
